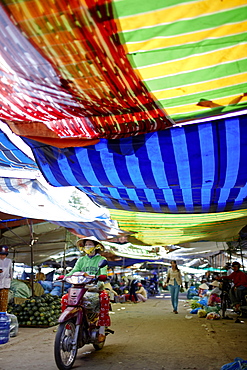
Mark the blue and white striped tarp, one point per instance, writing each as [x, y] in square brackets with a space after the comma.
[12, 157]
[197, 168]
[28, 198]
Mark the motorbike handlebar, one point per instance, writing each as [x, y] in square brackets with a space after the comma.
[81, 277]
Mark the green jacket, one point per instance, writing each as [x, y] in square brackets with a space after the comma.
[89, 265]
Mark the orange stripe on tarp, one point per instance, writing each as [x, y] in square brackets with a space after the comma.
[105, 86]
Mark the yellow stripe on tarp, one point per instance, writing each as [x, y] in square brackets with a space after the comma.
[191, 108]
[192, 37]
[201, 87]
[150, 219]
[177, 12]
[152, 228]
[194, 62]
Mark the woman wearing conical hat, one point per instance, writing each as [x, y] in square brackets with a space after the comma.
[89, 265]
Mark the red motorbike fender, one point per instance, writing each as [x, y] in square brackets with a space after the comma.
[69, 312]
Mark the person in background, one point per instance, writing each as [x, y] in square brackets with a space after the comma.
[186, 280]
[239, 279]
[174, 281]
[192, 292]
[89, 265]
[141, 293]
[40, 276]
[113, 295]
[228, 268]
[208, 279]
[6, 275]
[132, 290]
[203, 290]
[154, 281]
[215, 293]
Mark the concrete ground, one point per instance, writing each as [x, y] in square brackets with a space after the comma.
[148, 336]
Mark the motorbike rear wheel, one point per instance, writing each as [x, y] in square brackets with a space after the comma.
[64, 352]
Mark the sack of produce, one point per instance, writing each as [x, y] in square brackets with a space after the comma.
[212, 309]
[201, 313]
[213, 316]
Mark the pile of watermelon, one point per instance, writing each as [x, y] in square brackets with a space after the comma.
[40, 311]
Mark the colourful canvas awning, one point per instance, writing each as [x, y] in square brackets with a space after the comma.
[181, 184]
[190, 54]
[29, 198]
[11, 157]
[84, 70]
[191, 169]
[69, 76]
[160, 229]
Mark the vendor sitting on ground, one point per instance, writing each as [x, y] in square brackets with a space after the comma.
[141, 293]
[215, 293]
[203, 290]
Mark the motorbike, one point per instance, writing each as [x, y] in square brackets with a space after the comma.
[78, 322]
[226, 302]
[225, 298]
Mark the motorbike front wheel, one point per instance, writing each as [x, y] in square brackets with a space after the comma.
[64, 351]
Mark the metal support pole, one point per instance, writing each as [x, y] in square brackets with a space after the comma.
[31, 278]
[32, 241]
[64, 257]
[13, 261]
[64, 267]
[241, 253]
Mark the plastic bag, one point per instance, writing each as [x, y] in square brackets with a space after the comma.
[201, 313]
[213, 316]
[237, 364]
[14, 325]
[195, 310]
[203, 301]
[212, 309]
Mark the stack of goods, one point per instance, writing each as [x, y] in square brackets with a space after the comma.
[40, 311]
[203, 310]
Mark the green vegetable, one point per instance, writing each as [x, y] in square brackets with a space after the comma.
[194, 304]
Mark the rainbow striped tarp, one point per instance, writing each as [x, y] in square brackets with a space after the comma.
[190, 54]
[82, 70]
